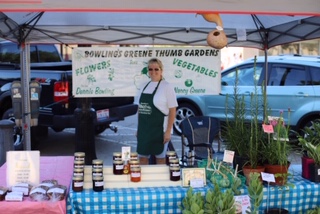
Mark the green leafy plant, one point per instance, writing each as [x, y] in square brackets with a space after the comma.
[219, 202]
[310, 141]
[315, 210]
[193, 203]
[278, 149]
[215, 201]
[255, 190]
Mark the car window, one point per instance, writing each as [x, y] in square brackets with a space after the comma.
[246, 75]
[315, 76]
[40, 53]
[281, 75]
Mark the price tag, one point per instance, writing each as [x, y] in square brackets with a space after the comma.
[267, 128]
[228, 156]
[267, 177]
[197, 182]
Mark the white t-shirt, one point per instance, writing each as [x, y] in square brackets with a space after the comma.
[164, 98]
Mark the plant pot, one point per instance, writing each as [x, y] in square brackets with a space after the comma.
[305, 163]
[240, 161]
[247, 170]
[278, 169]
[276, 211]
[314, 172]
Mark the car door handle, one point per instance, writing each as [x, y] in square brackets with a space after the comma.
[301, 94]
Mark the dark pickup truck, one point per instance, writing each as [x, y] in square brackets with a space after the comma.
[57, 104]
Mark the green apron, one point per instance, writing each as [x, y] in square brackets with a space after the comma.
[150, 125]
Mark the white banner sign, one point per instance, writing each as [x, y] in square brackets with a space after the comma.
[120, 71]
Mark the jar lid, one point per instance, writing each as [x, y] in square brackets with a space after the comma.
[135, 169]
[77, 178]
[134, 162]
[80, 154]
[97, 178]
[174, 160]
[134, 154]
[175, 168]
[97, 161]
[97, 169]
[118, 161]
[78, 169]
[117, 154]
[79, 162]
[171, 153]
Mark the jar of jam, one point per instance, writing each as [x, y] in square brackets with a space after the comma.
[135, 174]
[133, 163]
[97, 172]
[97, 163]
[97, 183]
[79, 156]
[78, 164]
[77, 183]
[118, 167]
[174, 173]
[117, 156]
[174, 162]
[133, 156]
[78, 172]
[170, 155]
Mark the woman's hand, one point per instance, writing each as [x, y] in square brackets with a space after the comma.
[166, 137]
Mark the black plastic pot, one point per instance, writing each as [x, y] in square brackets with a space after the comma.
[276, 211]
[314, 172]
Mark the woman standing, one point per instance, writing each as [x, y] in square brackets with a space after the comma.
[156, 114]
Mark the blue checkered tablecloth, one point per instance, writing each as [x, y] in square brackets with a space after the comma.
[303, 196]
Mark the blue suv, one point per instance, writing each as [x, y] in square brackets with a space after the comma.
[293, 82]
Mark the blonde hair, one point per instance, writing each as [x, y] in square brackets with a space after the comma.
[155, 60]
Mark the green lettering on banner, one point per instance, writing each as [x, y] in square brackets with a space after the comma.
[104, 91]
[197, 90]
[92, 68]
[183, 91]
[84, 91]
[194, 67]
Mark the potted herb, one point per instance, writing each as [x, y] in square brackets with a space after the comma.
[312, 147]
[310, 143]
[255, 190]
[243, 133]
[277, 149]
[215, 201]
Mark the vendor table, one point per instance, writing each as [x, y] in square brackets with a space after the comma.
[59, 168]
[166, 199]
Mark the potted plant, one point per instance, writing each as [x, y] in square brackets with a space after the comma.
[244, 137]
[310, 143]
[277, 149]
[215, 201]
[255, 190]
[312, 147]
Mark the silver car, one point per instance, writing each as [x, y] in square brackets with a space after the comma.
[293, 83]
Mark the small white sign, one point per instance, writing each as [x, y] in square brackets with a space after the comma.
[125, 150]
[267, 177]
[23, 167]
[197, 182]
[228, 156]
[242, 203]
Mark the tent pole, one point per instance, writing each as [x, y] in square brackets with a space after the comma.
[265, 84]
[25, 79]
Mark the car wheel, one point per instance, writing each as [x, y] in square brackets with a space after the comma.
[8, 115]
[184, 110]
[99, 129]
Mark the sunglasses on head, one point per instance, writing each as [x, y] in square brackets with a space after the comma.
[153, 69]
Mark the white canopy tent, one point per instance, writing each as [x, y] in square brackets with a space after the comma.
[282, 7]
[91, 24]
